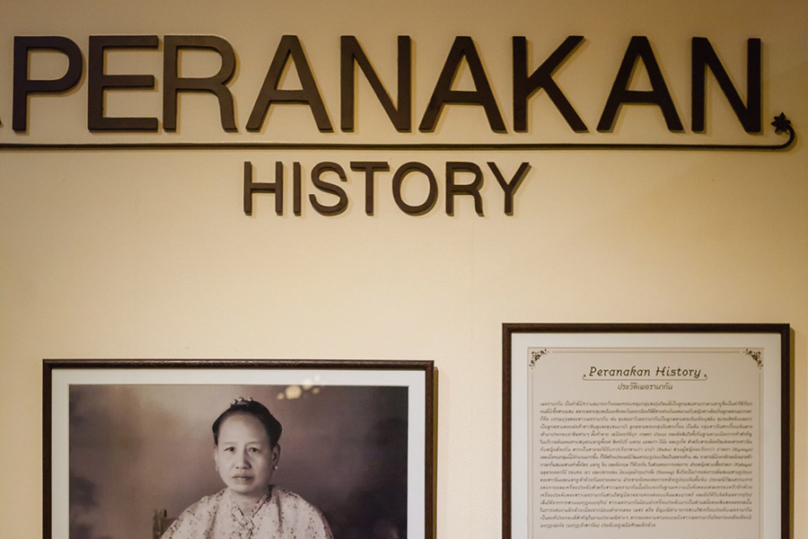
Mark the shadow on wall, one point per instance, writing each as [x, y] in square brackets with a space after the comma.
[138, 449]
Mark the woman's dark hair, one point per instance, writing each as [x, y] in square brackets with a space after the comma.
[255, 409]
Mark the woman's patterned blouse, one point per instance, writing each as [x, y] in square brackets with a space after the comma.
[280, 514]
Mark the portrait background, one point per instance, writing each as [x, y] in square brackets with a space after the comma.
[135, 449]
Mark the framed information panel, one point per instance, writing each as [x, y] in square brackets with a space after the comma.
[674, 431]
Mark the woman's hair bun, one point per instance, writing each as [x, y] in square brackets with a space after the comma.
[255, 409]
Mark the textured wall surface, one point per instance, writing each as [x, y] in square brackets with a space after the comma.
[148, 254]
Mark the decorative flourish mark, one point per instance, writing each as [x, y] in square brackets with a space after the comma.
[782, 124]
[757, 355]
[535, 355]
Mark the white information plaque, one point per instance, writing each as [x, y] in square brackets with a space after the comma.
[645, 431]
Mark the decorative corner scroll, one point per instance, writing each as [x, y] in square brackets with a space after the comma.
[536, 355]
[757, 355]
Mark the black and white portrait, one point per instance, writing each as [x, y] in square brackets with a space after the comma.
[143, 455]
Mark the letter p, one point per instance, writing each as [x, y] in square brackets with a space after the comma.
[23, 86]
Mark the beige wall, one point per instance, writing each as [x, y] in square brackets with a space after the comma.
[149, 255]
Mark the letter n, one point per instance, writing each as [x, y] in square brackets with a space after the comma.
[351, 53]
[703, 57]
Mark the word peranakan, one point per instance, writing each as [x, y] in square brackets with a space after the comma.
[525, 83]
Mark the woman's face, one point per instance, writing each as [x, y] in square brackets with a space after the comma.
[244, 456]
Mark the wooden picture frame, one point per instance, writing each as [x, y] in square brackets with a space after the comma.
[128, 444]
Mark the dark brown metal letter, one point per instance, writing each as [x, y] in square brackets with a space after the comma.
[307, 95]
[398, 180]
[351, 53]
[251, 187]
[23, 86]
[525, 86]
[217, 84]
[511, 187]
[98, 82]
[703, 57]
[463, 47]
[370, 168]
[472, 189]
[342, 204]
[639, 49]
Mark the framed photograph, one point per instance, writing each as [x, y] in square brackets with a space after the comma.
[646, 431]
[182, 449]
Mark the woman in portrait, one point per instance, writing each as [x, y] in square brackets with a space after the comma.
[246, 453]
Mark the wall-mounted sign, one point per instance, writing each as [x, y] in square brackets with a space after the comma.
[415, 125]
[525, 84]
